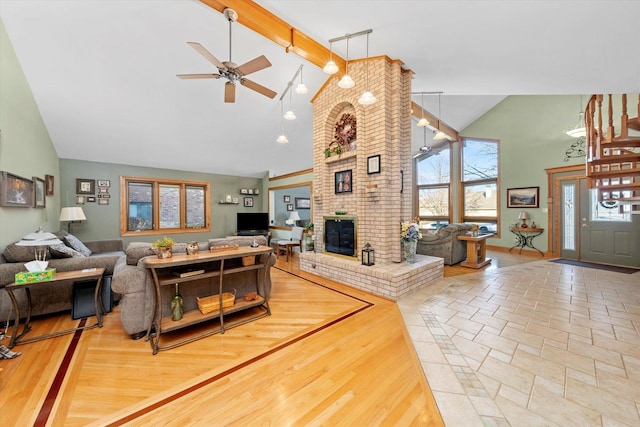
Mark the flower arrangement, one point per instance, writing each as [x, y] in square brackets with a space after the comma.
[410, 231]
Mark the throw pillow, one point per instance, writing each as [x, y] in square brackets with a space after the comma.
[74, 243]
[64, 251]
[15, 253]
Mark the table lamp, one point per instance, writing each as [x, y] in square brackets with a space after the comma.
[293, 217]
[523, 217]
[72, 214]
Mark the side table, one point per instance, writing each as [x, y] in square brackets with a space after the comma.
[476, 251]
[73, 276]
[525, 236]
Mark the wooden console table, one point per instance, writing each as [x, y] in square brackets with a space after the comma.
[213, 264]
[476, 251]
[525, 236]
[63, 276]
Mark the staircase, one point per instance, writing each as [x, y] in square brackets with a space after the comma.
[613, 160]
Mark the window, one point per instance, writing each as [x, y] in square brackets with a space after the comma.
[433, 179]
[156, 206]
[480, 183]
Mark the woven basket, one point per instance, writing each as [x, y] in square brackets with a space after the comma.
[248, 260]
[212, 302]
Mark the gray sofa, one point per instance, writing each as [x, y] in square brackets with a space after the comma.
[133, 281]
[444, 243]
[56, 297]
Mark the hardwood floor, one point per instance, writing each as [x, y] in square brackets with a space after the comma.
[328, 355]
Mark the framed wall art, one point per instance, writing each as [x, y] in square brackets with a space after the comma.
[15, 191]
[290, 207]
[287, 199]
[525, 197]
[39, 190]
[104, 183]
[85, 186]
[343, 182]
[248, 202]
[373, 164]
[103, 201]
[48, 185]
[80, 200]
[303, 203]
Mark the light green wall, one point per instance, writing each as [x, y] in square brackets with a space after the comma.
[531, 134]
[103, 221]
[25, 147]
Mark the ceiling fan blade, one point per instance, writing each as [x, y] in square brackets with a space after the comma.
[229, 92]
[258, 88]
[208, 56]
[254, 65]
[198, 76]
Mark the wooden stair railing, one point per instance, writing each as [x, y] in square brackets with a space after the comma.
[613, 161]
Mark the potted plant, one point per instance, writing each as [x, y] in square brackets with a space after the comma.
[309, 228]
[163, 247]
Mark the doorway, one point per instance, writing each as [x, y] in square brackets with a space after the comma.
[591, 230]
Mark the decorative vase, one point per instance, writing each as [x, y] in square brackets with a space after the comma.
[176, 305]
[164, 252]
[409, 247]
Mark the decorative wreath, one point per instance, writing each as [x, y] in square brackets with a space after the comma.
[345, 130]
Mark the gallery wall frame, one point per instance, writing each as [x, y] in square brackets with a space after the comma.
[248, 202]
[15, 191]
[523, 197]
[39, 192]
[303, 203]
[85, 186]
[373, 164]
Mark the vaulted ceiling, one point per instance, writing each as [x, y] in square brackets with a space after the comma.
[103, 72]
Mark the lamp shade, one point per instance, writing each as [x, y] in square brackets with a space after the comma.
[39, 238]
[367, 98]
[346, 82]
[523, 215]
[72, 214]
[330, 68]
[294, 216]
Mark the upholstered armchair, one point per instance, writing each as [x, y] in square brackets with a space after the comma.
[444, 243]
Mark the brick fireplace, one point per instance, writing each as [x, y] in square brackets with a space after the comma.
[343, 185]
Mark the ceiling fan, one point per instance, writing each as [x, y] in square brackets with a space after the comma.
[229, 70]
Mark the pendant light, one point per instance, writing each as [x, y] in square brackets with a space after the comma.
[367, 97]
[423, 122]
[330, 67]
[346, 82]
[282, 139]
[579, 129]
[440, 134]
[289, 115]
[301, 89]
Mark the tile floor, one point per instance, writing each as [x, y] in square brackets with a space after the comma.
[535, 344]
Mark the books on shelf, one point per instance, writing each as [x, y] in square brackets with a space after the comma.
[188, 273]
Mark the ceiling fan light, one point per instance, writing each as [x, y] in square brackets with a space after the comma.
[282, 139]
[330, 68]
[423, 122]
[367, 98]
[301, 89]
[346, 82]
[289, 115]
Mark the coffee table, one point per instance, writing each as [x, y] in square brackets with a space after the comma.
[63, 276]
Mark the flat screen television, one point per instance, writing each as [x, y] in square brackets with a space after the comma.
[250, 223]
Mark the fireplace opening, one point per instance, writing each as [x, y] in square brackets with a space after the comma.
[340, 236]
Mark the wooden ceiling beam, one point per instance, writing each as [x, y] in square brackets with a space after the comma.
[417, 112]
[271, 27]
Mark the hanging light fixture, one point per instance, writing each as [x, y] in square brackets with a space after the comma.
[439, 134]
[330, 67]
[367, 97]
[423, 122]
[579, 129]
[346, 82]
[425, 148]
[289, 115]
[301, 89]
[282, 139]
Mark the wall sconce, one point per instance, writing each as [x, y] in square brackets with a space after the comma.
[368, 255]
